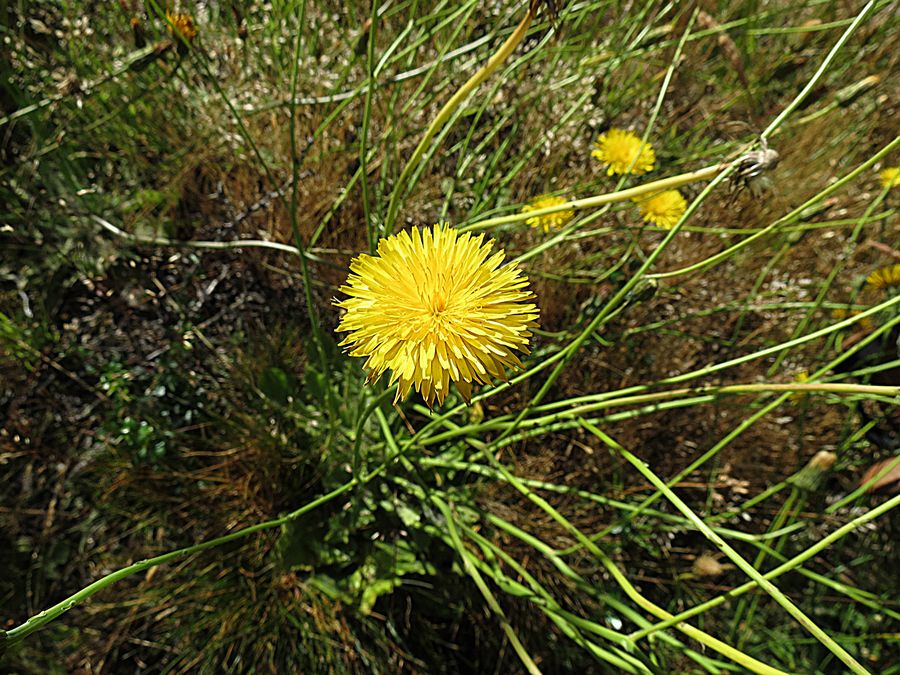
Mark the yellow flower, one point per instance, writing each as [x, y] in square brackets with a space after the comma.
[550, 221]
[802, 378]
[621, 149]
[886, 276]
[663, 209]
[865, 323]
[183, 24]
[434, 306]
[890, 177]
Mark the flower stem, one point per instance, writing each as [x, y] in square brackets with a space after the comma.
[720, 543]
[608, 198]
[449, 107]
[38, 621]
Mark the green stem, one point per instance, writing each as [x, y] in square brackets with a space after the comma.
[787, 219]
[312, 310]
[364, 132]
[38, 621]
[836, 269]
[449, 107]
[733, 555]
[814, 80]
[788, 566]
[700, 636]
[600, 200]
[472, 571]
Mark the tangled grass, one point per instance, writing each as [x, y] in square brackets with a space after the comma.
[681, 478]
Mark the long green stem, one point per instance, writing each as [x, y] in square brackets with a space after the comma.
[472, 570]
[704, 638]
[450, 106]
[787, 219]
[788, 566]
[40, 620]
[600, 200]
[312, 310]
[364, 132]
[733, 555]
[814, 80]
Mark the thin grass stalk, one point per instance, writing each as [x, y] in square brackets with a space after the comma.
[836, 269]
[472, 570]
[789, 566]
[364, 132]
[444, 114]
[777, 523]
[733, 555]
[820, 72]
[750, 421]
[570, 624]
[625, 195]
[708, 640]
[787, 219]
[38, 621]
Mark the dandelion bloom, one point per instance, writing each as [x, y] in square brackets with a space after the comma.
[549, 221]
[663, 209]
[624, 153]
[890, 177]
[802, 378]
[884, 277]
[865, 323]
[434, 306]
[182, 24]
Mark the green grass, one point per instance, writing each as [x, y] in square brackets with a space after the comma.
[178, 217]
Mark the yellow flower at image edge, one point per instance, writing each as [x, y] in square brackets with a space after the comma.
[886, 276]
[890, 177]
[550, 221]
[624, 153]
[664, 209]
[435, 307]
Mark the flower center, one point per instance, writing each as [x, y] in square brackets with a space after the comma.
[438, 303]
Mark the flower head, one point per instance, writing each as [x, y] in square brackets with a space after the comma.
[435, 306]
[890, 177]
[802, 378]
[663, 209]
[624, 153]
[884, 277]
[550, 221]
[865, 323]
[182, 24]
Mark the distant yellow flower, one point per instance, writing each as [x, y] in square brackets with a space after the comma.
[183, 24]
[664, 209]
[886, 276]
[621, 149]
[865, 323]
[890, 177]
[802, 378]
[435, 306]
[550, 221]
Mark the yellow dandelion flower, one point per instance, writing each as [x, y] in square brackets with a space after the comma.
[866, 323]
[663, 209]
[550, 221]
[884, 277]
[802, 378]
[890, 177]
[182, 24]
[434, 306]
[621, 149]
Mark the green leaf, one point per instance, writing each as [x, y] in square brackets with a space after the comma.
[276, 385]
